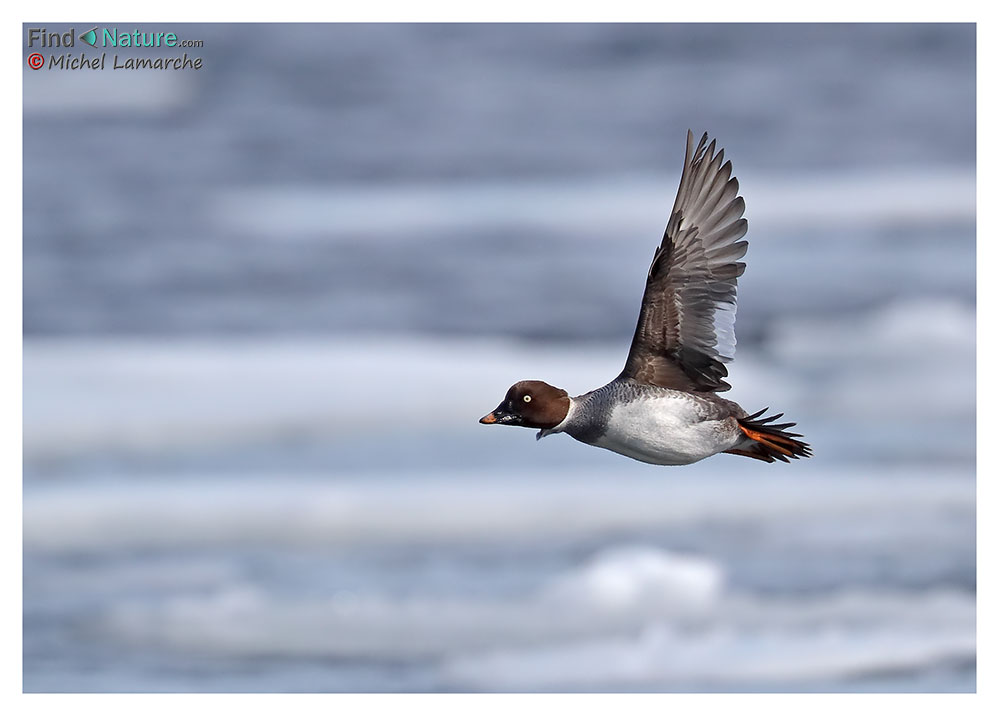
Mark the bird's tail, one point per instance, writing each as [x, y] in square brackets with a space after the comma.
[769, 441]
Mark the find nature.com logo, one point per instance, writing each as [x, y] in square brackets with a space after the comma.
[104, 37]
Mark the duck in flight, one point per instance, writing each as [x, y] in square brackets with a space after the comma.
[664, 407]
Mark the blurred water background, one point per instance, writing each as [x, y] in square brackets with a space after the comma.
[265, 303]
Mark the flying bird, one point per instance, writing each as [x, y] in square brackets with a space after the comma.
[664, 407]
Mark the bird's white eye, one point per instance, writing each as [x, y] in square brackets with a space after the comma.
[527, 399]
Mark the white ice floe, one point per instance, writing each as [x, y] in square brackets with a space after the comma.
[625, 205]
[628, 616]
[450, 506]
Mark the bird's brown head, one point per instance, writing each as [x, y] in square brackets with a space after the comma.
[531, 404]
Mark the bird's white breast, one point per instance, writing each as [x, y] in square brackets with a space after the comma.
[666, 430]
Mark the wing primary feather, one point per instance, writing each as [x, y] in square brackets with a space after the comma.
[685, 331]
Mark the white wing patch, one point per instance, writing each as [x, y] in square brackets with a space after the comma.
[725, 331]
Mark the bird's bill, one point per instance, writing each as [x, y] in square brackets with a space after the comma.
[501, 417]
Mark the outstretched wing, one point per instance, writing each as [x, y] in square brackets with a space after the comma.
[686, 329]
